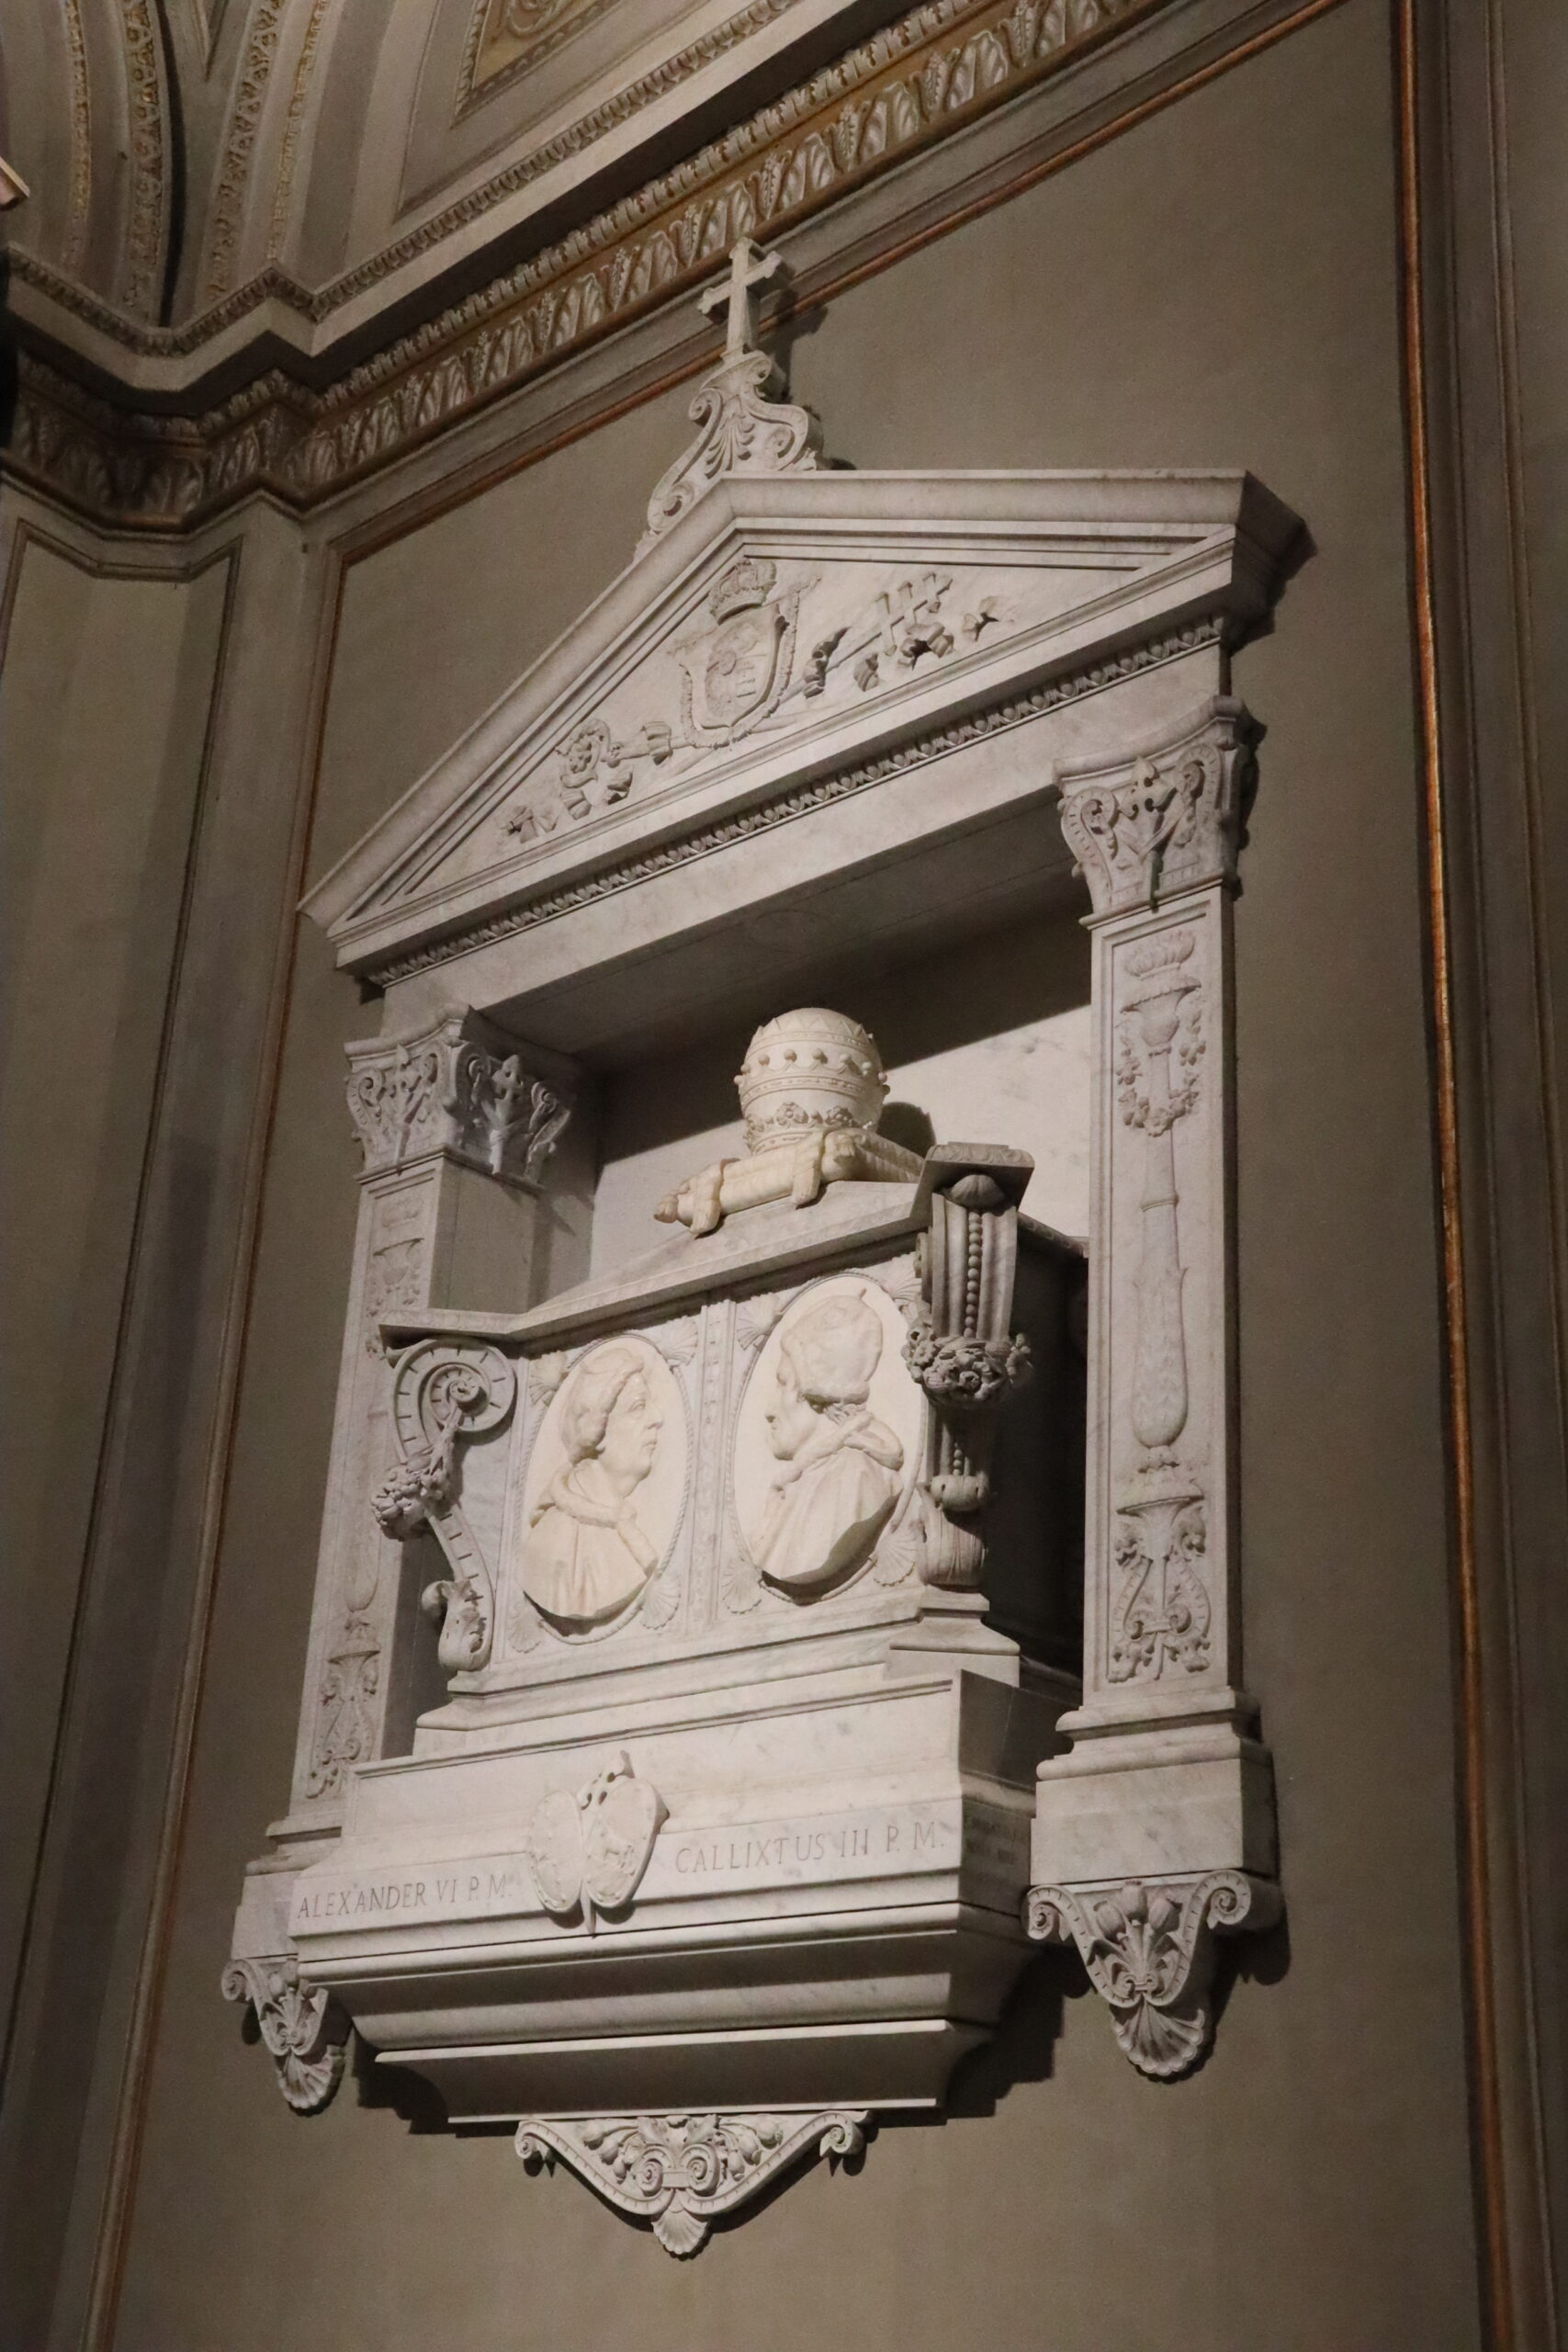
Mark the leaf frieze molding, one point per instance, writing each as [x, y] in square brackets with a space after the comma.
[932, 73]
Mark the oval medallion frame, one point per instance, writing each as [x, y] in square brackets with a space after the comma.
[656, 1503]
[811, 1535]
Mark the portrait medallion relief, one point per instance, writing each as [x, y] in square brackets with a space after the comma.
[828, 1438]
[605, 1488]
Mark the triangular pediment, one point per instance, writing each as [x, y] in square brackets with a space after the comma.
[785, 628]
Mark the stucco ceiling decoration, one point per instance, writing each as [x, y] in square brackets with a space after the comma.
[147, 232]
[938, 69]
[508, 37]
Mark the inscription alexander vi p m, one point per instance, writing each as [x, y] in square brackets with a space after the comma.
[503, 1884]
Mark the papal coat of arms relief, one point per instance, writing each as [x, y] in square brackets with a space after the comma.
[759, 658]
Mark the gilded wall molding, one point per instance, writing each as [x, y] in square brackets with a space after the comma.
[917, 80]
[81, 135]
[289, 154]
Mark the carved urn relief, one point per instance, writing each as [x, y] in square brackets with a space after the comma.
[722, 1666]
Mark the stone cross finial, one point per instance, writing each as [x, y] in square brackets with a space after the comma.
[745, 427]
[749, 266]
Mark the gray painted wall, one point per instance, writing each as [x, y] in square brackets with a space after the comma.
[1310, 2187]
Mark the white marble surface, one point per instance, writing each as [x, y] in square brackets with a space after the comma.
[731, 1797]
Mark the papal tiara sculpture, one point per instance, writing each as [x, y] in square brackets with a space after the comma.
[811, 1089]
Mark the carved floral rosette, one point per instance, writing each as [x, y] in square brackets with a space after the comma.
[682, 2173]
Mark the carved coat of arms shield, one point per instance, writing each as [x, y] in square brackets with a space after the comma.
[592, 1846]
[736, 674]
[620, 1823]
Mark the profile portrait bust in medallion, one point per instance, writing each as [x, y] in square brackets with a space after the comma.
[837, 1479]
[586, 1555]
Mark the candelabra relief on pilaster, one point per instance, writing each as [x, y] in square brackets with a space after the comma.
[1156, 1832]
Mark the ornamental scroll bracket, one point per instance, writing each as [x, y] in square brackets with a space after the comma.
[684, 2173]
[1149, 1947]
[305, 2031]
[446, 1390]
[1156, 1833]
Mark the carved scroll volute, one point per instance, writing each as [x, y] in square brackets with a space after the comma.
[962, 1349]
[444, 1391]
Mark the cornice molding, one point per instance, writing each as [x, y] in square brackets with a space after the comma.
[931, 74]
[801, 799]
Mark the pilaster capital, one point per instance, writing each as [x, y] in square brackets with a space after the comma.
[1166, 817]
[461, 1088]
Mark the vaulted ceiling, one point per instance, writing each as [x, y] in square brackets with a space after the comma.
[192, 159]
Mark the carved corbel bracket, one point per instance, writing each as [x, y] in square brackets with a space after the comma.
[302, 2026]
[1149, 1948]
[682, 2173]
[961, 1349]
[444, 1390]
[459, 1087]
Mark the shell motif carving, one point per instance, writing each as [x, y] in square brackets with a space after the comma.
[304, 2029]
[1148, 1945]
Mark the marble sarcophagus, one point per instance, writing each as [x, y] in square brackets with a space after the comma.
[849, 1586]
[756, 1569]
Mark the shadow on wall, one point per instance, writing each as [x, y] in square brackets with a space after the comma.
[7, 359]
